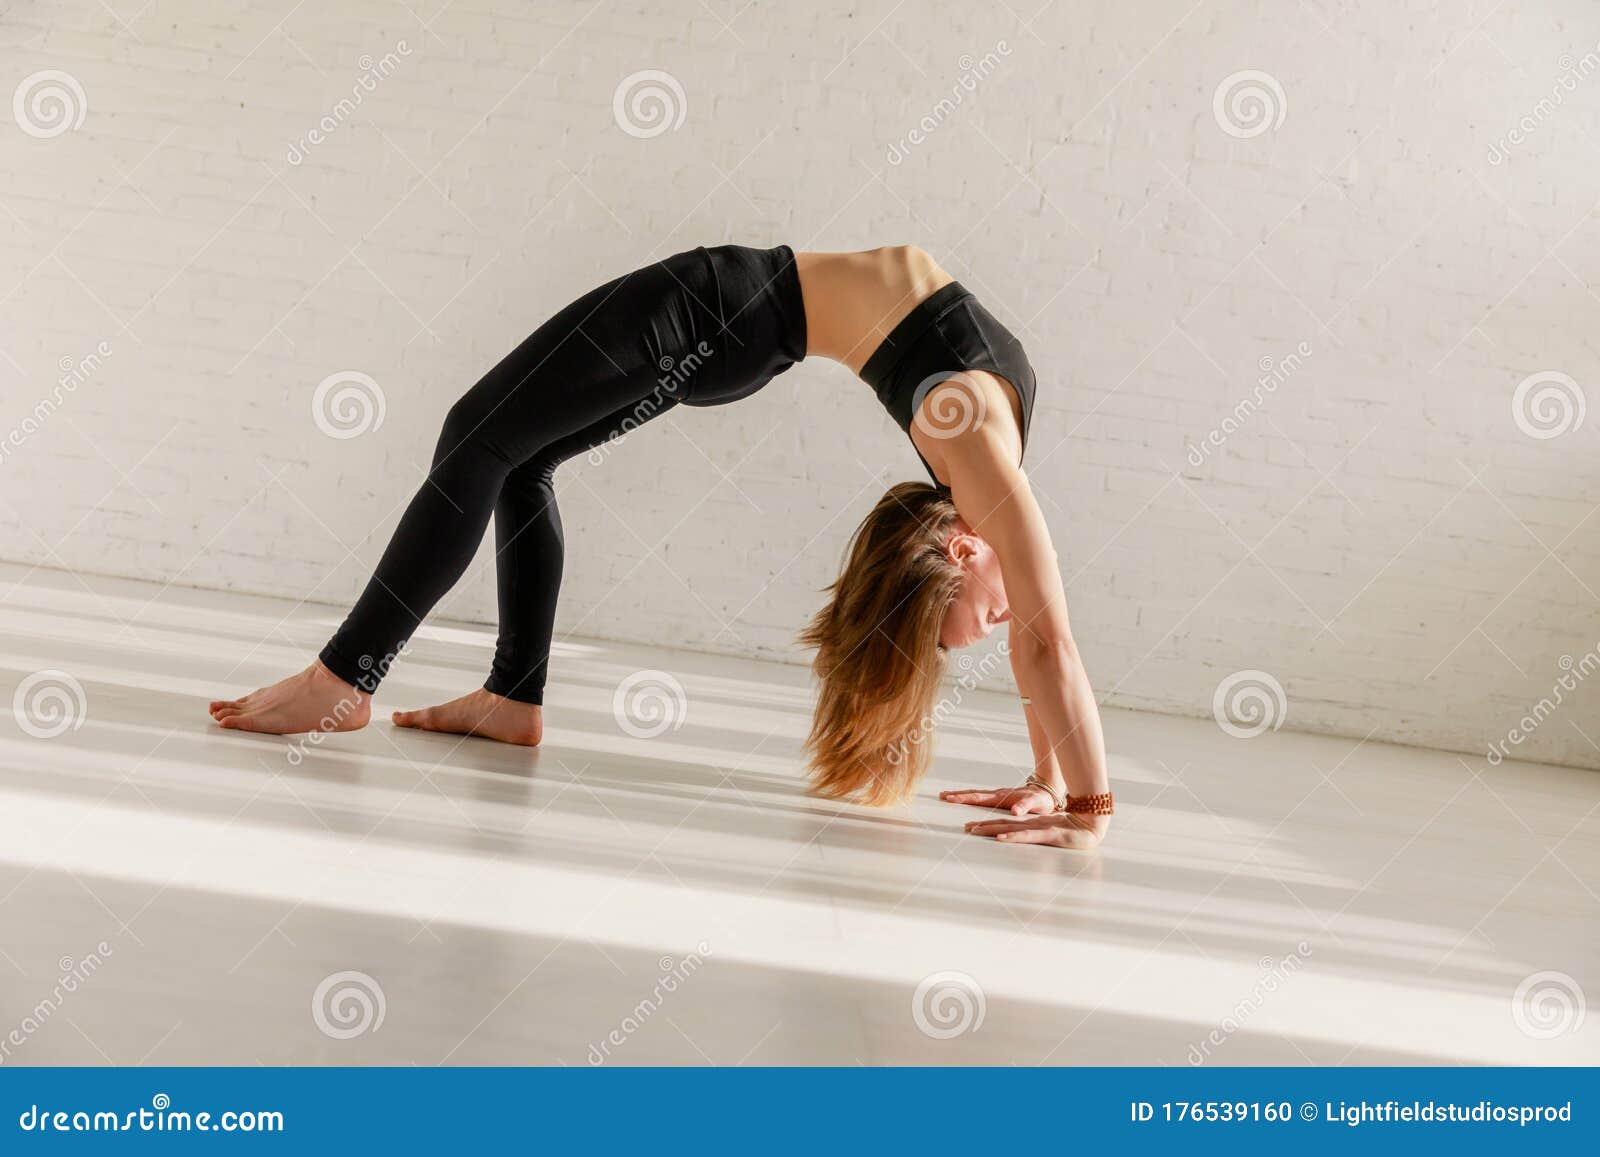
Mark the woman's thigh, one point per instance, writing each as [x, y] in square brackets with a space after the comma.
[599, 356]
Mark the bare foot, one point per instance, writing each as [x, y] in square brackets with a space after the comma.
[314, 700]
[482, 713]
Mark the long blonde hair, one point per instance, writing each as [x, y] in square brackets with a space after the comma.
[878, 658]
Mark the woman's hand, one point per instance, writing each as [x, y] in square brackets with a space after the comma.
[1019, 801]
[1061, 830]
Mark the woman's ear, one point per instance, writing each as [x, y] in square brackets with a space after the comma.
[961, 545]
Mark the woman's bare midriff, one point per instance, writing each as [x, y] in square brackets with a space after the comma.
[854, 300]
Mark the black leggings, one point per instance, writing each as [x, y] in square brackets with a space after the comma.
[703, 328]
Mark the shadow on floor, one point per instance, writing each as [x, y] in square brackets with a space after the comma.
[214, 978]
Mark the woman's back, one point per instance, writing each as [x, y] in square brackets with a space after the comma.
[853, 300]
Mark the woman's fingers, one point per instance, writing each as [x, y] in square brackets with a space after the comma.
[1035, 830]
[972, 796]
[991, 827]
[1030, 836]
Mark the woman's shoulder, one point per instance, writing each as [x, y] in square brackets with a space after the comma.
[971, 414]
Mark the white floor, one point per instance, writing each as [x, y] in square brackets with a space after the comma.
[511, 906]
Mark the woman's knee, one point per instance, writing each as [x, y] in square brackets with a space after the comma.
[466, 427]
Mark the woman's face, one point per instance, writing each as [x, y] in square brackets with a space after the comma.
[980, 604]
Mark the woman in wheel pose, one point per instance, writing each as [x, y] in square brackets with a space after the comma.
[931, 568]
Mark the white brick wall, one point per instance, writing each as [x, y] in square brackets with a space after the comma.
[1379, 536]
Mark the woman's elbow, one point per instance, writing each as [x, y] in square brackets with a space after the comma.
[1051, 649]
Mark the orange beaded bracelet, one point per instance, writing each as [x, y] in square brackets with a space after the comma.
[1098, 804]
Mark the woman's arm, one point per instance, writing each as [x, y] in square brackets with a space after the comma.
[1045, 764]
[1024, 800]
[994, 498]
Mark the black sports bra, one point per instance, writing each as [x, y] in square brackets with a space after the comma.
[947, 332]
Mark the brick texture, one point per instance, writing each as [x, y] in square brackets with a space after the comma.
[1374, 530]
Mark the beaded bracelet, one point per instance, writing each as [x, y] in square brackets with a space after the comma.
[1098, 804]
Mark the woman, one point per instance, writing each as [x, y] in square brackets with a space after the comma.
[931, 568]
